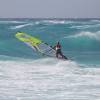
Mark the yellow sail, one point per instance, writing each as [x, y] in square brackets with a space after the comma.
[27, 38]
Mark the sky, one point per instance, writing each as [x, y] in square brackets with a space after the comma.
[50, 8]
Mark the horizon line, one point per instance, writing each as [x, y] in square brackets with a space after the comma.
[49, 18]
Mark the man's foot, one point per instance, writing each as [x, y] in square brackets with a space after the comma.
[65, 57]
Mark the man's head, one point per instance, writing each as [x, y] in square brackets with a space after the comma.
[58, 42]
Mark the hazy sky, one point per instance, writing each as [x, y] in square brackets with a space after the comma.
[50, 8]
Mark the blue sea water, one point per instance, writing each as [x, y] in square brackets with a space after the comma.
[27, 75]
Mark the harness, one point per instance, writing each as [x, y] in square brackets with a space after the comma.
[58, 47]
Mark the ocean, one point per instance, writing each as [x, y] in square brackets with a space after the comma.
[27, 75]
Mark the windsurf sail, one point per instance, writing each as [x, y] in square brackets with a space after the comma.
[36, 44]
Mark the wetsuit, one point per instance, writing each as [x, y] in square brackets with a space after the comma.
[58, 50]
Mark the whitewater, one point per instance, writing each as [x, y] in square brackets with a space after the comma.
[27, 75]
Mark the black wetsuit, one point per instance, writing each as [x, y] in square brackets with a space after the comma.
[58, 51]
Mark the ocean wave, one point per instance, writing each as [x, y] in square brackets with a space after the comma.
[58, 21]
[84, 26]
[96, 21]
[21, 26]
[90, 35]
[8, 22]
[72, 22]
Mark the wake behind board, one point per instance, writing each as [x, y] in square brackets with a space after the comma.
[37, 45]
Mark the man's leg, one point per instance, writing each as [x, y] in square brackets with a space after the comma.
[60, 53]
[57, 54]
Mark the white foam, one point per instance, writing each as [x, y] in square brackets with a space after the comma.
[47, 79]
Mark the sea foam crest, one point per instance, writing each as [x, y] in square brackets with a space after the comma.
[21, 26]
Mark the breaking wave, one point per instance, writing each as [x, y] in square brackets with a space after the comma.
[90, 35]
